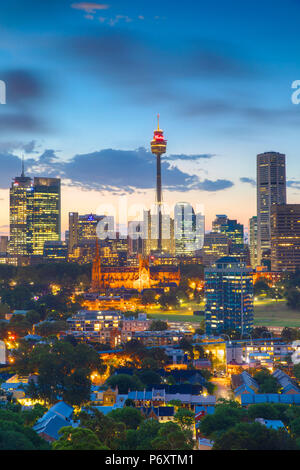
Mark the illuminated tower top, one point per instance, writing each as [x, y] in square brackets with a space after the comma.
[158, 144]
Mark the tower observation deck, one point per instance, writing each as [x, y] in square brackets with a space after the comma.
[158, 148]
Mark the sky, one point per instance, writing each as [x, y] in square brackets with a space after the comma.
[85, 81]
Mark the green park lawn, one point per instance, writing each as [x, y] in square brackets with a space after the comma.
[266, 312]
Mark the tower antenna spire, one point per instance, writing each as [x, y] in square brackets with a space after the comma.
[158, 122]
[23, 172]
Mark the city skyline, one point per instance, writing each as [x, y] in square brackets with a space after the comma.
[81, 114]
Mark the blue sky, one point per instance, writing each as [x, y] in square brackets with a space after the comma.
[85, 81]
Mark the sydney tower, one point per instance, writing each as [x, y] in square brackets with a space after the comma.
[158, 148]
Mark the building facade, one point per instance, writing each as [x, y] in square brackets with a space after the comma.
[285, 237]
[229, 297]
[271, 189]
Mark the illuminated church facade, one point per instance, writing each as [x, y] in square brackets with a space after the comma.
[138, 277]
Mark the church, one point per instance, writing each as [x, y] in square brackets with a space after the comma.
[138, 277]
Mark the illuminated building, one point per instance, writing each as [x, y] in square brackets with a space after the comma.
[158, 148]
[135, 238]
[83, 235]
[55, 250]
[215, 246]
[138, 277]
[44, 221]
[159, 338]
[184, 229]
[231, 228]
[285, 237]
[271, 189]
[150, 231]
[253, 241]
[2, 353]
[229, 297]
[108, 302]
[3, 244]
[88, 321]
[20, 209]
[234, 231]
[269, 277]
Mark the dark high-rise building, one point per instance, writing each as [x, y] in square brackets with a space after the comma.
[216, 245]
[253, 241]
[20, 210]
[231, 228]
[158, 148]
[229, 297]
[271, 189]
[45, 219]
[285, 237]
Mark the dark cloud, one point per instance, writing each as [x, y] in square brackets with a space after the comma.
[10, 166]
[107, 170]
[23, 86]
[248, 180]
[21, 122]
[28, 147]
[212, 186]
[131, 62]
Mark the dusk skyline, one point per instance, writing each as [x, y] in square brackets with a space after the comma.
[85, 81]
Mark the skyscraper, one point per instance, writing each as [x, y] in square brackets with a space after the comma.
[45, 219]
[20, 209]
[184, 229]
[150, 234]
[253, 241]
[158, 148]
[271, 189]
[285, 237]
[231, 228]
[229, 297]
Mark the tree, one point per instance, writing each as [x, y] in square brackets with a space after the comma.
[227, 414]
[296, 371]
[254, 436]
[108, 430]
[184, 417]
[77, 388]
[63, 370]
[148, 377]
[14, 435]
[130, 416]
[148, 297]
[77, 439]
[261, 288]
[267, 383]
[124, 382]
[171, 437]
[158, 325]
[293, 298]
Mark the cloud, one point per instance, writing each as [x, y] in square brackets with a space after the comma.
[21, 122]
[129, 62]
[213, 186]
[10, 166]
[107, 170]
[189, 157]
[89, 7]
[28, 148]
[248, 180]
[293, 184]
[26, 90]
[23, 86]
